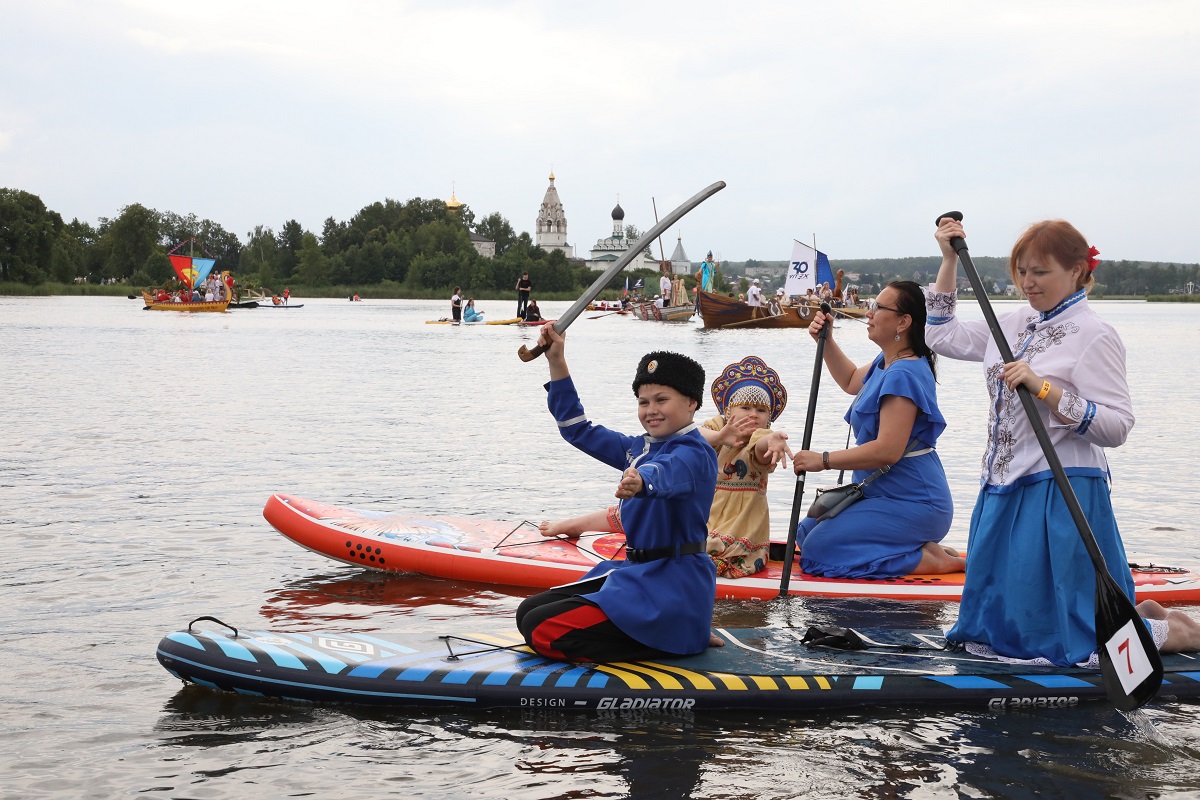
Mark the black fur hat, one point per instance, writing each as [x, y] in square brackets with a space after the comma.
[671, 369]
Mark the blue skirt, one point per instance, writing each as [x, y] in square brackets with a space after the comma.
[1030, 589]
[881, 536]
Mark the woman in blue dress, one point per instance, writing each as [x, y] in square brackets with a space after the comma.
[905, 512]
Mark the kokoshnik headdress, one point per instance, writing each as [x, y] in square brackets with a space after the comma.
[749, 382]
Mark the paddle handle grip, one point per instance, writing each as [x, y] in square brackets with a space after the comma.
[958, 243]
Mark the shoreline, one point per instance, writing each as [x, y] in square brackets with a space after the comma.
[390, 293]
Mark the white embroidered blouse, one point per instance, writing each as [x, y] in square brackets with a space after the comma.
[1071, 347]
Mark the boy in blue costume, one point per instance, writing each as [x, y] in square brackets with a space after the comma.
[658, 602]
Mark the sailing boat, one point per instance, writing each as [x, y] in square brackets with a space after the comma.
[191, 271]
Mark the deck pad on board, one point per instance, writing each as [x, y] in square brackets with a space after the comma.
[758, 668]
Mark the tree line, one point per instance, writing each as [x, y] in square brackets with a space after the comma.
[418, 246]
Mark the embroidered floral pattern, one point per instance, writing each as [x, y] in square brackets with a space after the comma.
[941, 304]
[1006, 410]
[1072, 407]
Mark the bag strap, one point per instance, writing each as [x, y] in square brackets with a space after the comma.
[887, 467]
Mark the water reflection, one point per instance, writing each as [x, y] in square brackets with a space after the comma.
[367, 595]
[116, 537]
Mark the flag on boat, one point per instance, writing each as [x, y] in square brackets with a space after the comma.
[808, 269]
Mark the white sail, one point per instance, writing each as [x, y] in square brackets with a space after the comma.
[802, 270]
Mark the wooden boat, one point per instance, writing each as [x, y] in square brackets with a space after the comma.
[153, 304]
[650, 312]
[604, 305]
[191, 271]
[719, 311]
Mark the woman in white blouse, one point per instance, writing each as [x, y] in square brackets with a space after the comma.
[1030, 585]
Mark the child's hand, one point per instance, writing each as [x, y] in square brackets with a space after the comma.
[735, 434]
[553, 341]
[631, 483]
[776, 447]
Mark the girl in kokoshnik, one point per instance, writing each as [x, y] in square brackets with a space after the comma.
[659, 601]
[895, 529]
[1030, 585]
[749, 397]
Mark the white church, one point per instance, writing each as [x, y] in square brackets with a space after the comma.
[551, 234]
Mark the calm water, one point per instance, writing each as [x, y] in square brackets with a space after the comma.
[138, 448]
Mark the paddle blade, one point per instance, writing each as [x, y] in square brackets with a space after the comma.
[1129, 661]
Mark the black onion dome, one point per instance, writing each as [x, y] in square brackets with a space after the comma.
[618, 212]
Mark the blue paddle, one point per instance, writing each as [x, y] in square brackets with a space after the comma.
[1129, 661]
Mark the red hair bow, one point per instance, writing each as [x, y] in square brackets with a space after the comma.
[1092, 260]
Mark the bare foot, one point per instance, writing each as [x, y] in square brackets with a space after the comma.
[936, 560]
[1183, 632]
[560, 528]
[950, 551]
[715, 641]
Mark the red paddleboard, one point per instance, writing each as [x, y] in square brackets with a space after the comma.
[516, 554]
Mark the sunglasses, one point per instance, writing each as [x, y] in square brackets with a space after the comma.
[874, 306]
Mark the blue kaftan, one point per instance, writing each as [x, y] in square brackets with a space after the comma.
[667, 603]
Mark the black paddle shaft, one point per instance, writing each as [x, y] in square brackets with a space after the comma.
[1109, 596]
[789, 553]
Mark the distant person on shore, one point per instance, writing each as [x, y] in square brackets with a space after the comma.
[524, 287]
[456, 304]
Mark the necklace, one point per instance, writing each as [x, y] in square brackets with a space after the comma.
[905, 353]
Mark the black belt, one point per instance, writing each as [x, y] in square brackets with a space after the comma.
[653, 554]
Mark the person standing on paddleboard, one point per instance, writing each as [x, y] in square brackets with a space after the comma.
[456, 305]
[524, 287]
[658, 602]
[1030, 586]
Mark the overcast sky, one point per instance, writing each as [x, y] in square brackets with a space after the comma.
[856, 122]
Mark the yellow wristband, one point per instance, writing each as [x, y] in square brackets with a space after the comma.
[1045, 390]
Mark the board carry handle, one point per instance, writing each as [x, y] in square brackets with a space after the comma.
[635, 249]
[213, 619]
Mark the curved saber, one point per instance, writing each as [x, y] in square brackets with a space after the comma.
[564, 322]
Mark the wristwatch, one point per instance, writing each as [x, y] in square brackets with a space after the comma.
[825, 459]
